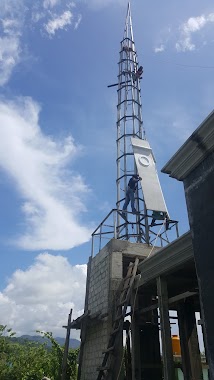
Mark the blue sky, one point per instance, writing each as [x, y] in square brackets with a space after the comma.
[58, 131]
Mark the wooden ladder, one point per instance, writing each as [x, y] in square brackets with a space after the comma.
[122, 302]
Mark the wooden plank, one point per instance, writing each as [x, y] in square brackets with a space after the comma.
[181, 296]
[65, 354]
[84, 322]
[170, 301]
[87, 283]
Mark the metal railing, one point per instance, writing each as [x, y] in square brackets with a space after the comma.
[160, 234]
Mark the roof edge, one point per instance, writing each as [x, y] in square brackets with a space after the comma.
[196, 148]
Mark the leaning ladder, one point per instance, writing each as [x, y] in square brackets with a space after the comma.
[122, 302]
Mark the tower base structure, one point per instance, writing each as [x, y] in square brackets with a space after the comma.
[104, 275]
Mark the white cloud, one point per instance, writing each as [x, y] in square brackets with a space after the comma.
[79, 19]
[187, 29]
[50, 3]
[38, 166]
[41, 296]
[58, 22]
[11, 23]
[194, 24]
[16, 16]
[159, 49]
[9, 56]
[185, 45]
[11, 26]
[53, 3]
[104, 3]
[37, 16]
[162, 40]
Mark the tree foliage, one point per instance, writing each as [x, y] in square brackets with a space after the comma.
[31, 360]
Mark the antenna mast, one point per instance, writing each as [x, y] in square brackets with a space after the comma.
[129, 124]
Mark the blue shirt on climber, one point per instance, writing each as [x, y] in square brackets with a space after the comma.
[132, 186]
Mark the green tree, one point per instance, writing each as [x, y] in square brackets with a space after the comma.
[57, 354]
[28, 360]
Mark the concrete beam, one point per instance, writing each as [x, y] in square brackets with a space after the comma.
[166, 259]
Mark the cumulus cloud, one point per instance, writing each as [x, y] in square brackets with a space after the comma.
[56, 15]
[47, 16]
[190, 27]
[58, 22]
[40, 297]
[38, 165]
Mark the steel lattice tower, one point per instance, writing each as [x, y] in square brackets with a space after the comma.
[134, 156]
[129, 124]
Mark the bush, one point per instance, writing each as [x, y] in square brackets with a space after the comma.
[28, 360]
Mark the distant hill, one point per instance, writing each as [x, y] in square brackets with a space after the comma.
[74, 343]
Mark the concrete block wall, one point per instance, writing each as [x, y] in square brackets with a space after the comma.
[97, 331]
[96, 341]
[99, 282]
[105, 276]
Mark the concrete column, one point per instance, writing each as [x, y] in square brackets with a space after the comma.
[150, 357]
[136, 375]
[191, 359]
[168, 365]
[151, 366]
[199, 191]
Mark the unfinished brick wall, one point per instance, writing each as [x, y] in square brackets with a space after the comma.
[104, 278]
[97, 330]
[99, 282]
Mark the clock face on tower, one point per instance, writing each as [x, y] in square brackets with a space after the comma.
[150, 184]
[144, 160]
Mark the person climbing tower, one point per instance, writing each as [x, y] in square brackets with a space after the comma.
[127, 48]
[132, 186]
[135, 75]
[138, 74]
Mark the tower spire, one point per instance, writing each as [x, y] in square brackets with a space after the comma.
[128, 32]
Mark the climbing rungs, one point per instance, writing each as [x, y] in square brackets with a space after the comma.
[126, 287]
[128, 276]
[122, 303]
[119, 317]
[131, 265]
[109, 350]
[106, 368]
[115, 331]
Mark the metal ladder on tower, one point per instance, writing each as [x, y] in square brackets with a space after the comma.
[122, 303]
